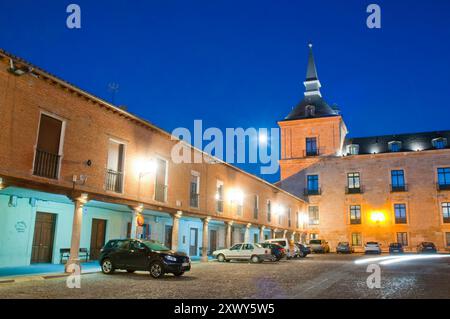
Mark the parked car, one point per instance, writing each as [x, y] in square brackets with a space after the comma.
[426, 247]
[277, 251]
[372, 247]
[396, 248]
[344, 247]
[286, 244]
[244, 251]
[302, 250]
[319, 246]
[148, 255]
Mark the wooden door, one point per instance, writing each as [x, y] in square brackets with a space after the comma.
[98, 232]
[212, 240]
[44, 234]
[193, 242]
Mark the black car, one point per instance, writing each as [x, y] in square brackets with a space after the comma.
[344, 247]
[426, 247]
[277, 250]
[149, 255]
[396, 248]
[302, 250]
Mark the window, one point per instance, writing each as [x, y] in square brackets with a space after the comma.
[446, 212]
[161, 180]
[313, 236]
[439, 143]
[255, 238]
[194, 190]
[298, 220]
[353, 149]
[400, 213]
[310, 110]
[353, 183]
[355, 214]
[443, 177]
[255, 206]
[289, 217]
[312, 185]
[114, 168]
[248, 247]
[279, 218]
[402, 238]
[269, 211]
[356, 239]
[47, 156]
[239, 208]
[236, 247]
[447, 239]
[395, 146]
[313, 214]
[311, 146]
[219, 197]
[397, 180]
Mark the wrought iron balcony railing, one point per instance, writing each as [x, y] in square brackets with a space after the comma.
[114, 181]
[46, 164]
[160, 192]
[442, 187]
[399, 188]
[354, 190]
[194, 200]
[312, 192]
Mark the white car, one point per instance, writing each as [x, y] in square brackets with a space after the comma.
[372, 247]
[244, 251]
[291, 250]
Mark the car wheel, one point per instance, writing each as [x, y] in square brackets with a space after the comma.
[255, 259]
[221, 258]
[179, 273]
[156, 269]
[130, 271]
[107, 266]
[302, 255]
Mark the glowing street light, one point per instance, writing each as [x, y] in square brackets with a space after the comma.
[236, 196]
[144, 167]
[377, 217]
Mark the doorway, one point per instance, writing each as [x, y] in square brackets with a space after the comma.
[168, 236]
[44, 235]
[98, 232]
[212, 240]
[193, 242]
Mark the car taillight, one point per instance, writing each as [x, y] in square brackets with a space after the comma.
[266, 252]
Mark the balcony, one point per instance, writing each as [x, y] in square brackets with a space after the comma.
[400, 220]
[354, 190]
[114, 181]
[399, 188]
[160, 192]
[312, 192]
[194, 200]
[442, 187]
[46, 164]
[309, 153]
[355, 221]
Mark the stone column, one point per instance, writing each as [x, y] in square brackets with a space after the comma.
[284, 233]
[228, 230]
[76, 232]
[247, 233]
[293, 236]
[176, 222]
[205, 239]
[136, 211]
[261, 234]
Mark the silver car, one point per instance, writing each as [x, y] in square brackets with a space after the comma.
[372, 247]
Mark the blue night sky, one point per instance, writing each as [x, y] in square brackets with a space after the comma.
[242, 63]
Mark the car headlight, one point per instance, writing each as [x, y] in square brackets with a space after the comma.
[171, 258]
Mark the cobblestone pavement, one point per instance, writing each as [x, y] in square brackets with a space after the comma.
[317, 276]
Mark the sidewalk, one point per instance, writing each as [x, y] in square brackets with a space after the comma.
[41, 271]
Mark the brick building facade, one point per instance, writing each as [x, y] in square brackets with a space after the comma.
[384, 188]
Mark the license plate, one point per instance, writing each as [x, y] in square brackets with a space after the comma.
[185, 264]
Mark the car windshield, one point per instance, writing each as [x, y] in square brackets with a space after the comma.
[258, 245]
[427, 244]
[315, 241]
[372, 243]
[343, 244]
[395, 245]
[155, 245]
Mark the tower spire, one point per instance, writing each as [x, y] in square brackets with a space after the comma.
[312, 83]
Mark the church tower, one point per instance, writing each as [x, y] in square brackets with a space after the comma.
[312, 130]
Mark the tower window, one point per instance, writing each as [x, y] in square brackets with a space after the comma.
[311, 146]
[395, 146]
[439, 143]
[310, 111]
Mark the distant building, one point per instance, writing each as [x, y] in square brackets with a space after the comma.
[393, 188]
